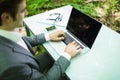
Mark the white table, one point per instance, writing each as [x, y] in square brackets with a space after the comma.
[103, 60]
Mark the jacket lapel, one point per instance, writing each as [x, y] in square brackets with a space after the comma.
[19, 49]
[14, 46]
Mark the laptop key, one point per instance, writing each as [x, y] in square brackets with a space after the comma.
[69, 39]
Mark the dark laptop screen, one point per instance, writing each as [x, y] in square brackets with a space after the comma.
[83, 27]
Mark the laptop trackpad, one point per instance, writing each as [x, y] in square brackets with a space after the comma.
[60, 46]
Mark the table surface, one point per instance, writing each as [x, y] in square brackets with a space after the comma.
[100, 63]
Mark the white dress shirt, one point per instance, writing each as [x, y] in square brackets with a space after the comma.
[14, 36]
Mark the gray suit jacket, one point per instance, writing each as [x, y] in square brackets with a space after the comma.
[16, 63]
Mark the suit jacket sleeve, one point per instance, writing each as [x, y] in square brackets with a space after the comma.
[35, 40]
[25, 72]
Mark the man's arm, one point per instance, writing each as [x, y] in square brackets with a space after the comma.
[41, 38]
[35, 40]
[26, 72]
[58, 69]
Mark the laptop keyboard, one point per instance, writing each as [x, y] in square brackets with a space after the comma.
[69, 39]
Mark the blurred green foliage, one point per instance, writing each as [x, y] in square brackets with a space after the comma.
[109, 9]
[38, 6]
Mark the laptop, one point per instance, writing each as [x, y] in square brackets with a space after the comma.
[80, 28]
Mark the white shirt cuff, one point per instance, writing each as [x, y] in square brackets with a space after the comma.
[66, 55]
[47, 38]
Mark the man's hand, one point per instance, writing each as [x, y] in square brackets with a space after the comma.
[72, 49]
[57, 35]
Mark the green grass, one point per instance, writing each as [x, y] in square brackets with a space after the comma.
[38, 6]
[112, 6]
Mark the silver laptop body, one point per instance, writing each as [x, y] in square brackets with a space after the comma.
[81, 28]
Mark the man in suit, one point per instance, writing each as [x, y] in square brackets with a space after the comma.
[16, 55]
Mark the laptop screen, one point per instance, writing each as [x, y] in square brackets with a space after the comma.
[83, 27]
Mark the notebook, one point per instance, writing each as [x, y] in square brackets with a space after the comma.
[81, 28]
